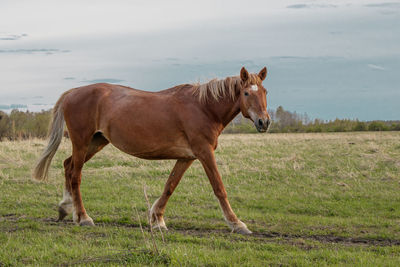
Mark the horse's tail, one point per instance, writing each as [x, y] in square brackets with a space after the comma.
[56, 131]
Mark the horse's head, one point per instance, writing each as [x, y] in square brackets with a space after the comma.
[253, 99]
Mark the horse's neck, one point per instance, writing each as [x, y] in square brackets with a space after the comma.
[224, 110]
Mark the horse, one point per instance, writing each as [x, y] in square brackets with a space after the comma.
[181, 123]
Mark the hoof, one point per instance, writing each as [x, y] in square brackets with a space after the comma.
[61, 214]
[240, 228]
[157, 222]
[243, 231]
[86, 222]
[161, 225]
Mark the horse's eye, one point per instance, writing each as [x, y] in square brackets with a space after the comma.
[246, 93]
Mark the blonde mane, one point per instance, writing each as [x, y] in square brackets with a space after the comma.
[219, 88]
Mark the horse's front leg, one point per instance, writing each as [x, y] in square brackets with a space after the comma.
[207, 159]
[158, 208]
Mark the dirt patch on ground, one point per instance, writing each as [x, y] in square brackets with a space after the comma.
[271, 237]
[9, 217]
[295, 239]
[334, 239]
[274, 236]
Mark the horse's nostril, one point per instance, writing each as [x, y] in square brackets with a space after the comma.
[260, 122]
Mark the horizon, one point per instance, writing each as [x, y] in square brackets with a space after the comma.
[327, 60]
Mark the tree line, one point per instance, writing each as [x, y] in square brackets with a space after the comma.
[284, 121]
[19, 125]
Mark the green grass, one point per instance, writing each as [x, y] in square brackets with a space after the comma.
[310, 199]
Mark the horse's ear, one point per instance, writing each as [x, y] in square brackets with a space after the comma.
[244, 75]
[263, 73]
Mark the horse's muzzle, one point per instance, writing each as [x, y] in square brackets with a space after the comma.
[262, 125]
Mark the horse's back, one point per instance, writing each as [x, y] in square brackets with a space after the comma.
[109, 98]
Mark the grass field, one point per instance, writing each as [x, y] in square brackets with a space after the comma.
[310, 199]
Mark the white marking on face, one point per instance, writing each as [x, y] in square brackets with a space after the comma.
[252, 114]
[254, 87]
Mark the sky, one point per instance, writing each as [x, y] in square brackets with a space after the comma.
[329, 59]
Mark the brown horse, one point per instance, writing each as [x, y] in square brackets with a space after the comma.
[181, 123]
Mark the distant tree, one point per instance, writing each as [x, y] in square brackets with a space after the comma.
[28, 124]
[377, 126]
[395, 126]
[360, 126]
[285, 121]
[5, 125]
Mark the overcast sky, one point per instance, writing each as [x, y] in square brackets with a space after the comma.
[326, 58]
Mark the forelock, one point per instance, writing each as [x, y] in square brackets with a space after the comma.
[254, 79]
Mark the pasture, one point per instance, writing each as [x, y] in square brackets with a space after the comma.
[310, 199]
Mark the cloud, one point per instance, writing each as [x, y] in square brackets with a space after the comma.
[375, 67]
[104, 80]
[385, 4]
[289, 57]
[12, 37]
[302, 6]
[172, 59]
[48, 51]
[31, 97]
[298, 6]
[69, 78]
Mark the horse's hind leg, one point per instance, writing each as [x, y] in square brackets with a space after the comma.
[66, 205]
[97, 144]
[78, 159]
[158, 208]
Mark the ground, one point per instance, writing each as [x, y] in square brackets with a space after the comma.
[310, 199]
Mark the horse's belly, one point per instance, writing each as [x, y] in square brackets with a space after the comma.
[152, 147]
[166, 153]
[145, 130]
